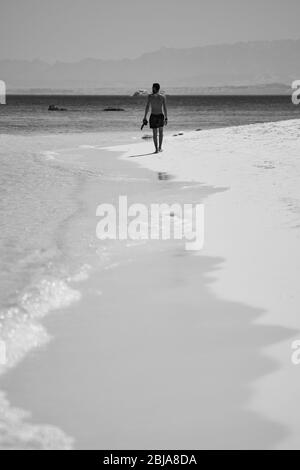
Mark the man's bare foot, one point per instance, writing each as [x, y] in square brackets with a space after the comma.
[160, 150]
[156, 151]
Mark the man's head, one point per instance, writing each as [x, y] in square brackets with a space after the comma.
[155, 87]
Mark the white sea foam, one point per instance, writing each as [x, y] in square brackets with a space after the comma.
[20, 328]
[50, 155]
[81, 275]
[16, 433]
[87, 146]
[21, 331]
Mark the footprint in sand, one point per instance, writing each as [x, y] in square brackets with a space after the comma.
[267, 165]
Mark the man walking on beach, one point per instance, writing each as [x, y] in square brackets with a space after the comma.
[158, 117]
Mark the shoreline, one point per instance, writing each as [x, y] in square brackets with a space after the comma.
[256, 163]
[115, 176]
[258, 338]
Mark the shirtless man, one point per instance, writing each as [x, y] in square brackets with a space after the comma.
[159, 115]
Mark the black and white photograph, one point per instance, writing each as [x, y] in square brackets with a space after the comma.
[149, 227]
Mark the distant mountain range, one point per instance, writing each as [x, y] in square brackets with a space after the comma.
[252, 67]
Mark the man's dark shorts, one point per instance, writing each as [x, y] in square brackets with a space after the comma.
[156, 121]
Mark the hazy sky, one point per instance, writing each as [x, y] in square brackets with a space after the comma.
[74, 29]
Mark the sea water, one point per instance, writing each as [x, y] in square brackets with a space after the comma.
[29, 114]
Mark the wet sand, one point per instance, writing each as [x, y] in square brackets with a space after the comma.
[155, 362]
[150, 357]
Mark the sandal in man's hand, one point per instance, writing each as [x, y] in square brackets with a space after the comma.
[145, 122]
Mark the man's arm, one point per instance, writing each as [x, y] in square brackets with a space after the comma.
[165, 108]
[147, 107]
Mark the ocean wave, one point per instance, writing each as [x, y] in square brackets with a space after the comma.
[21, 332]
[16, 433]
[81, 275]
[20, 329]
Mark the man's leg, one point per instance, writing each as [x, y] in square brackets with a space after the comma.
[161, 137]
[155, 140]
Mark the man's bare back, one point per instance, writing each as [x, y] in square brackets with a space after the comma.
[157, 103]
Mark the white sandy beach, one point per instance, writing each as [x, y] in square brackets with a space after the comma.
[254, 225]
[169, 349]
